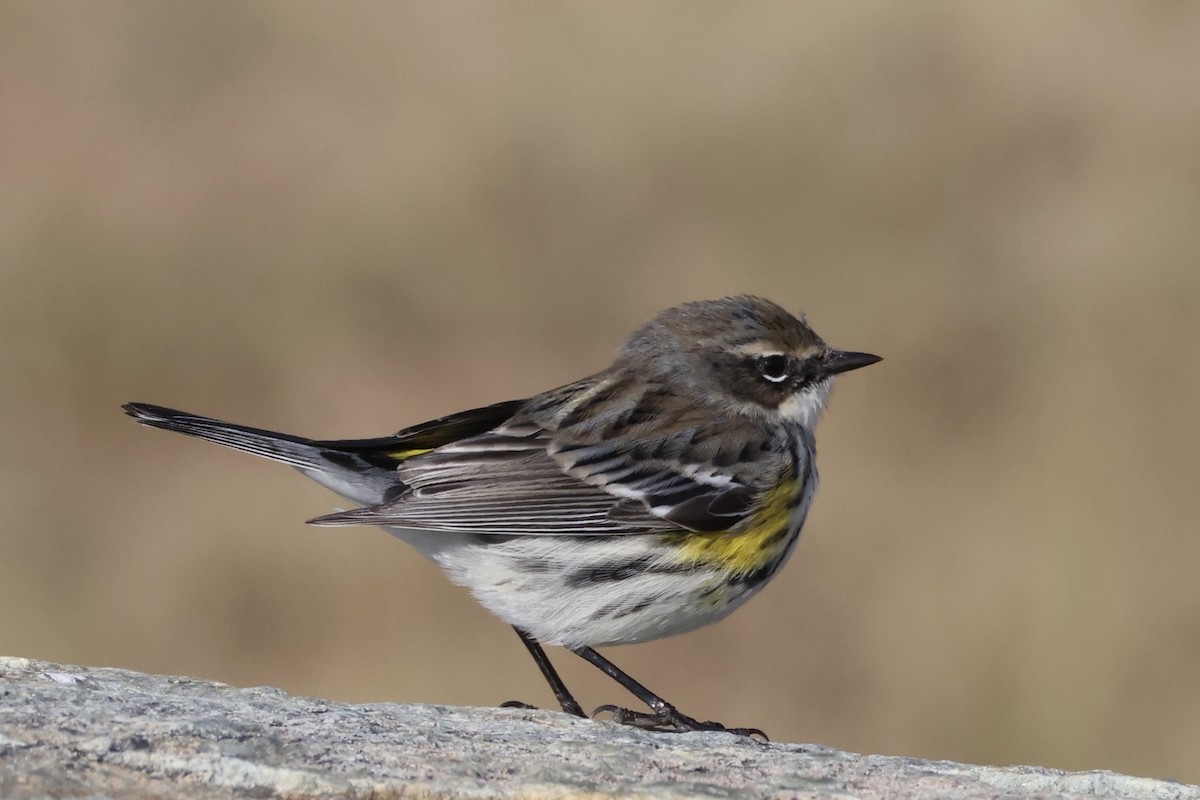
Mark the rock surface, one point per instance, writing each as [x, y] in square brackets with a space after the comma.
[97, 733]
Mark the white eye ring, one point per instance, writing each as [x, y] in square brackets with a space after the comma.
[774, 367]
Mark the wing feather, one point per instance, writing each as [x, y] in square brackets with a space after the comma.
[531, 475]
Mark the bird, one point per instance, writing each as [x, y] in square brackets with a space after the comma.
[648, 499]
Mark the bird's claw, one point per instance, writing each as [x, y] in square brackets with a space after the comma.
[668, 719]
[517, 704]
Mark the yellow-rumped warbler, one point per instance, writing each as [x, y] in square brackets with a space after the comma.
[646, 500]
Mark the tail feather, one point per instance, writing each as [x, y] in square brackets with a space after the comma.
[363, 470]
[294, 451]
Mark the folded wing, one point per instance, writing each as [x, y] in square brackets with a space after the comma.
[523, 479]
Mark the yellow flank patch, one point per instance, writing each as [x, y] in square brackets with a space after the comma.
[401, 455]
[752, 544]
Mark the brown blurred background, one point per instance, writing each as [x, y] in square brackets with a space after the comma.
[341, 219]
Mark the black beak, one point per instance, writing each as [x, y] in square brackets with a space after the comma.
[839, 361]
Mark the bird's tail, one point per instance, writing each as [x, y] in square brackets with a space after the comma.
[363, 470]
[295, 451]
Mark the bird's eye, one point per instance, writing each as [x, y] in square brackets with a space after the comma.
[773, 367]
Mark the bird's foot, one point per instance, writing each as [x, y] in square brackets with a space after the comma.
[568, 707]
[667, 718]
[517, 704]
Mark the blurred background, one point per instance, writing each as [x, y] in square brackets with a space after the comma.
[338, 220]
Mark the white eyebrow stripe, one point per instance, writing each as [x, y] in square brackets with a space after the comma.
[765, 347]
[759, 348]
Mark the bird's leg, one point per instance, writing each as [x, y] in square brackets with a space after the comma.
[665, 717]
[551, 675]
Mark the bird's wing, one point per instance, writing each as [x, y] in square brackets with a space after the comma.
[389, 451]
[523, 479]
